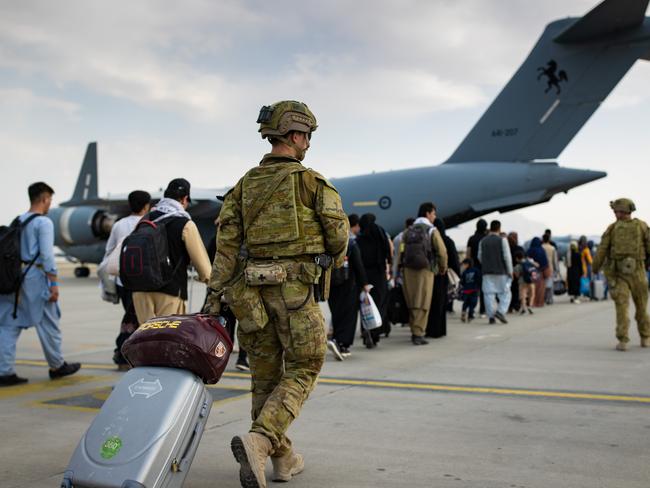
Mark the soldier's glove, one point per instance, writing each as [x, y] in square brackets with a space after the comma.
[212, 305]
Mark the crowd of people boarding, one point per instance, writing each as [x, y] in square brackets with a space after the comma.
[416, 277]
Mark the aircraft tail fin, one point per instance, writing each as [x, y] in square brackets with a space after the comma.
[573, 67]
[86, 187]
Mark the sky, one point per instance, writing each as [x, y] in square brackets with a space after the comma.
[172, 89]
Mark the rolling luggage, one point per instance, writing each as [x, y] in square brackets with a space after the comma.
[145, 435]
[398, 312]
[598, 288]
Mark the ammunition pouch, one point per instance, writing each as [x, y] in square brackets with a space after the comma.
[309, 273]
[246, 304]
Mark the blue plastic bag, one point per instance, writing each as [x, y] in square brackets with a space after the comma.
[585, 286]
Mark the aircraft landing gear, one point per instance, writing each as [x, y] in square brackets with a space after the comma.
[82, 272]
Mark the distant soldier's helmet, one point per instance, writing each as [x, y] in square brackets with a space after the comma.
[623, 205]
[286, 116]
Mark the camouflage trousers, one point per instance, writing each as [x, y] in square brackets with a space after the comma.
[285, 359]
[621, 288]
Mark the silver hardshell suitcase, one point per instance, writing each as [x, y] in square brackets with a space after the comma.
[145, 435]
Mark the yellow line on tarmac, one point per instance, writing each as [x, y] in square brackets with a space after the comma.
[489, 390]
[408, 386]
[32, 362]
[40, 386]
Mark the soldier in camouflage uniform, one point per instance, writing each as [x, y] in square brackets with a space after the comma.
[273, 224]
[622, 254]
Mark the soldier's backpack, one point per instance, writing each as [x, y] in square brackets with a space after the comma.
[145, 263]
[530, 272]
[11, 273]
[417, 248]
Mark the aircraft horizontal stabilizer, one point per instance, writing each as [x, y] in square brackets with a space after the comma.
[607, 18]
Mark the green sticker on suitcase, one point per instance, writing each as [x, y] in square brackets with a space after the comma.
[111, 447]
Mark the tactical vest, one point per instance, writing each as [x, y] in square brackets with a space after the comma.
[284, 226]
[627, 240]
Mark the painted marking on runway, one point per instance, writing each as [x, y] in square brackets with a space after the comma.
[402, 385]
[45, 385]
[490, 390]
[91, 401]
[36, 362]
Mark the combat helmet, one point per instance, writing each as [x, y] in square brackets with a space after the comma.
[623, 205]
[286, 116]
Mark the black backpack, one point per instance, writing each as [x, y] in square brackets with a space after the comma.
[145, 262]
[417, 248]
[11, 274]
[529, 271]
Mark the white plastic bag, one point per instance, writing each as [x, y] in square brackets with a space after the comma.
[370, 317]
[107, 286]
[111, 263]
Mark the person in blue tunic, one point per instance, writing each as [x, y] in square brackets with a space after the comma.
[38, 300]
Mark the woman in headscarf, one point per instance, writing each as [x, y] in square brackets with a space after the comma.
[585, 260]
[574, 272]
[375, 253]
[437, 321]
[513, 242]
[537, 253]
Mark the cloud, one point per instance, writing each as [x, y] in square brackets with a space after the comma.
[150, 55]
[204, 59]
[18, 100]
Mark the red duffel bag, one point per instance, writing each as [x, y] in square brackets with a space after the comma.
[198, 343]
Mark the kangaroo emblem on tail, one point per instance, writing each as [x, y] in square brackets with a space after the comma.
[552, 79]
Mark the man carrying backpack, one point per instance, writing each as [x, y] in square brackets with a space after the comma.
[162, 290]
[140, 204]
[30, 291]
[422, 255]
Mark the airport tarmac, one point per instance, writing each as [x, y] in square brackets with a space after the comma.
[544, 401]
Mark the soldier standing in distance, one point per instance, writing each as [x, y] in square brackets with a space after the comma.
[622, 253]
[275, 225]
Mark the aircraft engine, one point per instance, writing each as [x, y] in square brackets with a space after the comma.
[80, 225]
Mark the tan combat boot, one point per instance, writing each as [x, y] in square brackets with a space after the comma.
[251, 451]
[621, 346]
[285, 467]
[645, 342]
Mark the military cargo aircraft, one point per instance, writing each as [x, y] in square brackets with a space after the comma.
[506, 162]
